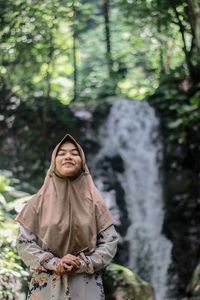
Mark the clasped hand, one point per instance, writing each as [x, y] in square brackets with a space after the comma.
[68, 264]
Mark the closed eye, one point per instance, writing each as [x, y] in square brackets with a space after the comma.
[62, 152]
[75, 152]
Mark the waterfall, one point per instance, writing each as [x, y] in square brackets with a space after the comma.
[130, 143]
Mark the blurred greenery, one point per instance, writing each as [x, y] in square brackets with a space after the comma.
[13, 273]
[147, 40]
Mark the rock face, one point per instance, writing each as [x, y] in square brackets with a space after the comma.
[122, 284]
[181, 188]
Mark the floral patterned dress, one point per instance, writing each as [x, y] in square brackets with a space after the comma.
[83, 284]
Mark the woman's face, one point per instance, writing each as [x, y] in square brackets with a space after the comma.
[68, 160]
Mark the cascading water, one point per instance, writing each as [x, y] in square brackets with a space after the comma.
[129, 141]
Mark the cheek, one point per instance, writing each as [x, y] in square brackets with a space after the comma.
[79, 162]
[58, 162]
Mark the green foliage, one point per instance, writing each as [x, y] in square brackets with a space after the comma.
[30, 42]
[12, 272]
[27, 152]
[180, 119]
[37, 47]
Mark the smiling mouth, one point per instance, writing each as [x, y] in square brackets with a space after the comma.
[68, 164]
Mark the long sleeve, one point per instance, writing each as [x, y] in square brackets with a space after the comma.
[32, 253]
[37, 258]
[105, 251]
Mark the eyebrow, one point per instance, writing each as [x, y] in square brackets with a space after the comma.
[69, 150]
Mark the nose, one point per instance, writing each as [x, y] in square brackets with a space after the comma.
[67, 155]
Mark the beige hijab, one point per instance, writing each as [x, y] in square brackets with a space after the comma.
[65, 214]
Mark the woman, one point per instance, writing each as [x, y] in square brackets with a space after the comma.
[66, 231]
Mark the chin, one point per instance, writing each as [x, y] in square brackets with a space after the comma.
[67, 174]
[70, 174]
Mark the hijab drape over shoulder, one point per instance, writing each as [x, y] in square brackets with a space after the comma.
[66, 214]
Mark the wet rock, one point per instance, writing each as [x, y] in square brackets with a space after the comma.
[122, 284]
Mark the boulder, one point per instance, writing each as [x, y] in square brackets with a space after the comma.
[122, 284]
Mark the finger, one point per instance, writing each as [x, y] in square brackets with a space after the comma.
[67, 267]
[72, 257]
[70, 262]
[63, 269]
[58, 270]
[77, 260]
[74, 264]
[84, 258]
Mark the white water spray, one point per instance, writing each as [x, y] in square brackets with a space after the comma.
[131, 131]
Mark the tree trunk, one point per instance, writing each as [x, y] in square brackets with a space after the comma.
[164, 56]
[182, 31]
[47, 103]
[75, 34]
[107, 37]
[195, 10]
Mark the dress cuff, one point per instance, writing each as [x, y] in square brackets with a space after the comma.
[51, 263]
[86, 264]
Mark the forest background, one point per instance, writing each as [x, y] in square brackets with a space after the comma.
[56, 53]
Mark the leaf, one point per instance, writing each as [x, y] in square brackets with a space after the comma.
[175, 124]
[187, 108]
[18, 204]
[2, 200]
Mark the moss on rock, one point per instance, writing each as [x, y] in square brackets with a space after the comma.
[122, 284]
[193, 288]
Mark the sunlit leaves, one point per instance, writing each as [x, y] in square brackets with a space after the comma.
[11, 271]
[144, 34]
[33, 34]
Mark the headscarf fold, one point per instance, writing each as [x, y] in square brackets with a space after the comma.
[66, 214]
